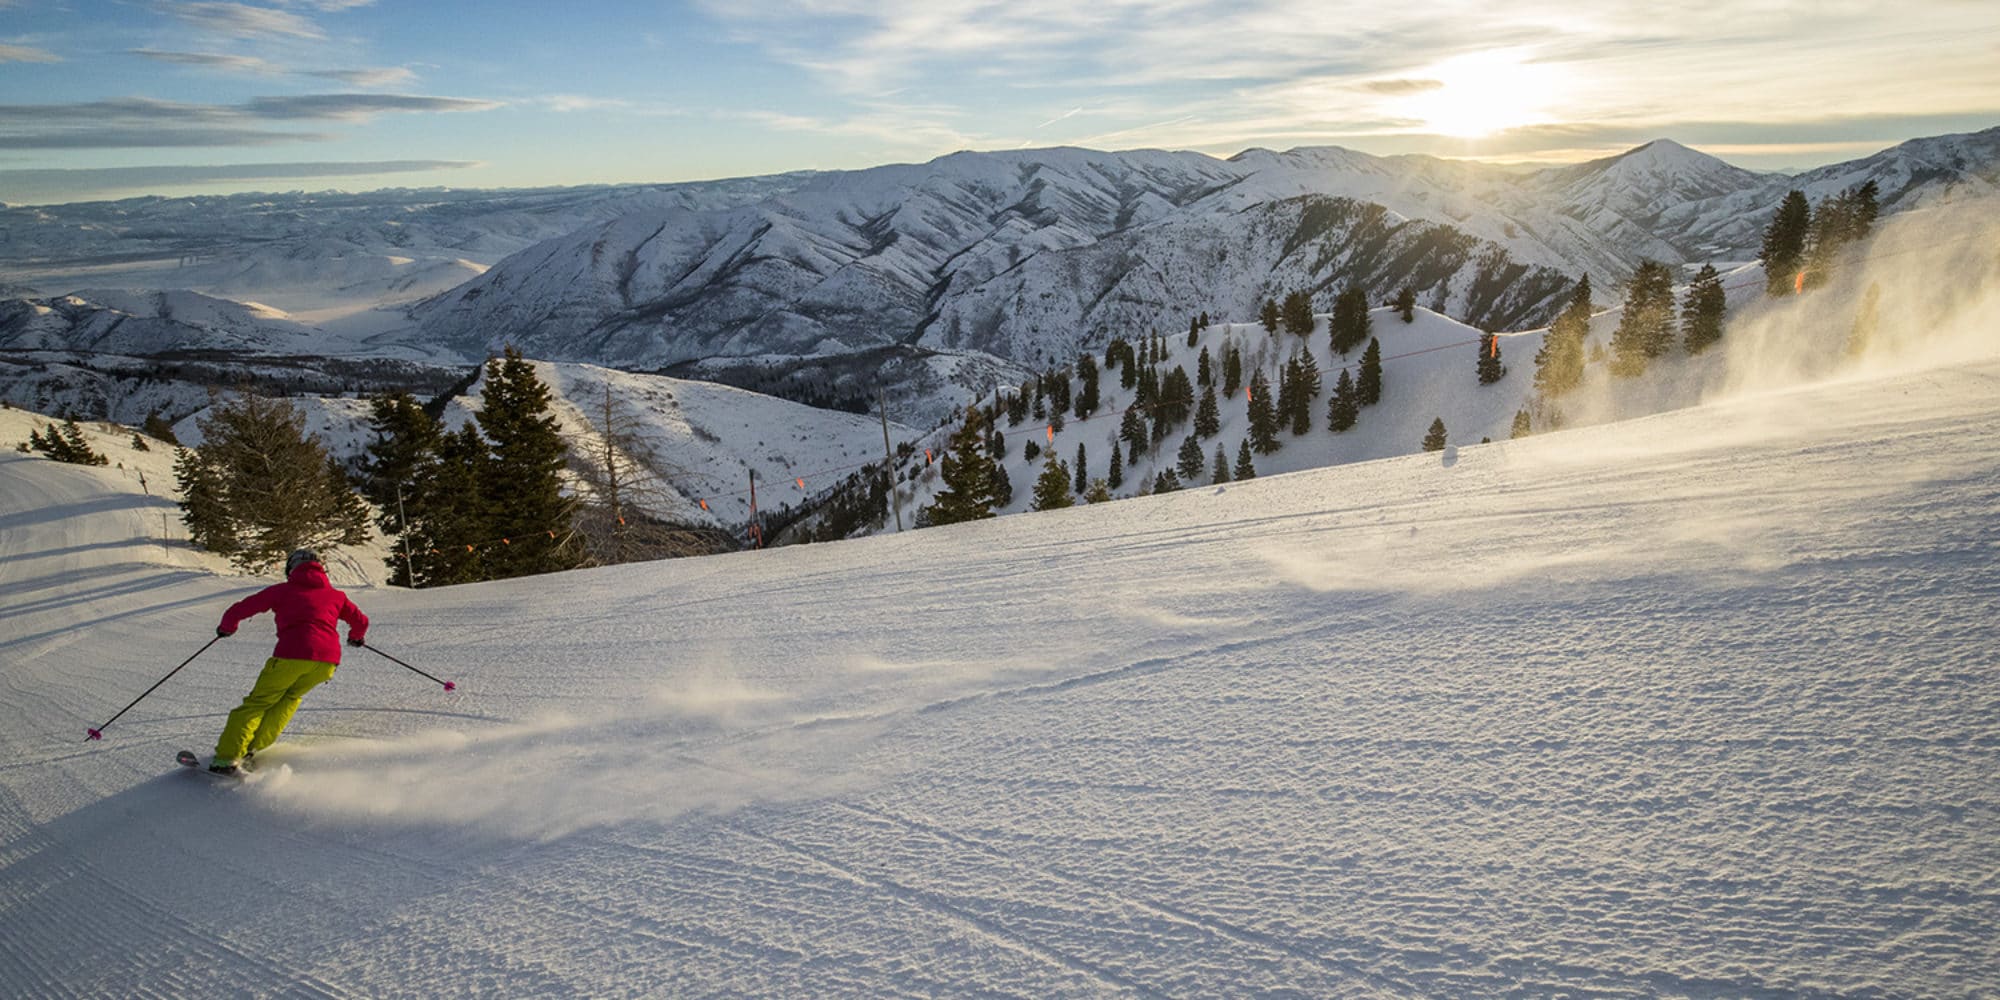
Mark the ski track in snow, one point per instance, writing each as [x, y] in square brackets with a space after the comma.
[1697, 706]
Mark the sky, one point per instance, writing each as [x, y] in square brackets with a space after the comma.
[109, 98]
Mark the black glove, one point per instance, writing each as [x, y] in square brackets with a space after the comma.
[223, 633]
[355, 641]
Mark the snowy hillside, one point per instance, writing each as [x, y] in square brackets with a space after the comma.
[1693, 706]
[1029, 254]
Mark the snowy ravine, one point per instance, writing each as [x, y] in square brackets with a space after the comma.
[1703, 704]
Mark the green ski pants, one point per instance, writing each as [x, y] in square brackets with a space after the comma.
[257, 722]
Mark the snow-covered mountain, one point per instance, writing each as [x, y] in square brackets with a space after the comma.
[1031, 254]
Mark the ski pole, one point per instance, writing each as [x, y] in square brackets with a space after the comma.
[98, 733]
[448, 686]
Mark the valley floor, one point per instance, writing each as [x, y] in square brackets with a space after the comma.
[1699, 705]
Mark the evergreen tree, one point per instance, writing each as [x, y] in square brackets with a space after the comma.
[1167, 482]
[260, 486]
[1406, 304]
[1580, 298]
[1086, 397]
[1784, 243]
[448, 515]
[1434, 440]
[1204, 370]
[1133, 431]
[1221, 467]
[1176, 398]
[1232, 371]
[1522, 425]
[1350, 325]
[1559, 362]
[1263, 416]
[1368, 384]
[1082, 468]
[1052, 486]
[1702, 310]
[1863, 209]
[970, 491]
[523, 481]
[139, 443]
[1298, 313]
[65, 444]
[157, 428]
[404, 445]
[1115, 477]
[1194, 331]
[1099, 492]
[1299, 414]
[204, 503]
[1345, 407]
[1245, 468]
[1490, 369]
[1646, 326]
[1208, 416]
[1190, 459]
[1269, 316]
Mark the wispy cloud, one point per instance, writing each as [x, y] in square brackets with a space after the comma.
[376, 76]
[212, 60]
[136, 122]
[235, 20]
[23, 53]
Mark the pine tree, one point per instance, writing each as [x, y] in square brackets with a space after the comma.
[1784, 243]
[1194, 331]
[970, 491]
[1863, 209]
[1167, 482]
[1298, 313]
[1052, 487]
[1351, 324]
[405, 443]
[1523, 426]
[1435, 439]
[1177, 400]
[523, 481]
[1299, 414]
[1263, 416]
[1406, 304]
[1646, 326]
[65, 444]
[1208, 416]
[1133, 431]
[1204, 370]
[259, 486]
[1086, 397]
[1269, 316]
[1702, 311]
[1232, 371]
[449, 518]
[1099, 492]
[1559, 362]
[1190, 459]
[1220, 473]
[1489, 367]
[1345, 407]
[1115, 477]
[1245, 468]
[157, 428]
[1368, 384]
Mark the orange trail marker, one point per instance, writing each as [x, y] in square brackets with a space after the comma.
[801, 481]
[1799, 284]
[703, 503]
[1052, 434]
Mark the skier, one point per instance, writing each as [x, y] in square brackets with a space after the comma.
[306, 606]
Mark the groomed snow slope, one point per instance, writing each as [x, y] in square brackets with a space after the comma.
[1698, 705]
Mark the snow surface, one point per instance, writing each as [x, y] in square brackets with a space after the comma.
[1697, 705]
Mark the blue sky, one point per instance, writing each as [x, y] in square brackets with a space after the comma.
[106, 98]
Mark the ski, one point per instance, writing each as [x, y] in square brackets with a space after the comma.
[187, 759]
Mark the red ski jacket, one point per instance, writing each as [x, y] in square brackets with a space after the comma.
[306, 606]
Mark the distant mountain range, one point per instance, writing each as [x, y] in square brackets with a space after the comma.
[921, 283]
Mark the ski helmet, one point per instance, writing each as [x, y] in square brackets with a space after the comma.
[298, 557]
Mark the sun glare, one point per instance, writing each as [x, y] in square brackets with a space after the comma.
[1483, 93]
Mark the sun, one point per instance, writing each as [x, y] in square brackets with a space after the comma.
[1482, 93]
